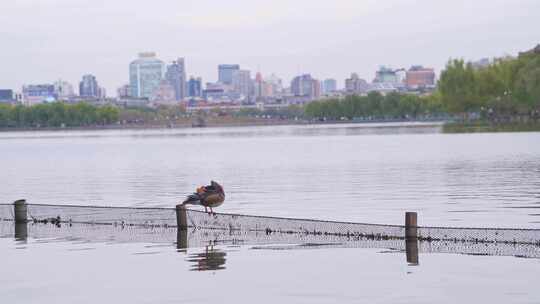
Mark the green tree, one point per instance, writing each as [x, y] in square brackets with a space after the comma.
[527, 84]
[458, 87]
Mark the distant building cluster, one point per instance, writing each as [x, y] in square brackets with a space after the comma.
[152, 82]
[415, 79]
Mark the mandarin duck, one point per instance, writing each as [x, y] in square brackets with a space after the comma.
[210, 196]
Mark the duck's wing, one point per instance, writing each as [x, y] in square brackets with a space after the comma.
[214, 198]
[194, 199]
[209, 191]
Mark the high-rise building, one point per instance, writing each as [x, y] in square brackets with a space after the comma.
[6, 95]
[195, 87]
[419, 77]
[305, 85]
[102, 93]
[316, 87]
[355, 84]
[226, 71]
[145, 75]
[386, 75]
[124, 91]
[215, 92]
[273, 86]
[38, 93]
[63, 89]
[164, 94]
[89, 87]
[258, 85]
[329, 85]
[241, 81]
[176, 75]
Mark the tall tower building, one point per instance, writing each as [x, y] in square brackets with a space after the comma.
[63, 89]
[88, 87]
[226, 71]
[195, 87]
[145, 75]
[329, 85]
[241, 82]
[176, 75]
[305, 85]
[355, 84]
[258, 85]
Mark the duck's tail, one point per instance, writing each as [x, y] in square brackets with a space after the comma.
[193, 199]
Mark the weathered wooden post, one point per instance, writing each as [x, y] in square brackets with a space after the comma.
[181, 217]
[181, 223]
[181, 239]
[411, 238]
[20, 210]
[411, 231]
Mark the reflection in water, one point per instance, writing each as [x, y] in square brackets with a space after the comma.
[21, 231]
[210, 259]
[199, 245]
[411, 249]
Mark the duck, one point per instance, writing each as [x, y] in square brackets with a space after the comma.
[210, 196]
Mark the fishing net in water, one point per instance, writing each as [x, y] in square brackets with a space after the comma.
[200, 238]
[97, 215]
[232, 222]
[166, 217]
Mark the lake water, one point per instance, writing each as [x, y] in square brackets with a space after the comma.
[353, 172]
[53, 271]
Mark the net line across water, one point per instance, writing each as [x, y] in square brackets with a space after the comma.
[166, 217]
[200, 238]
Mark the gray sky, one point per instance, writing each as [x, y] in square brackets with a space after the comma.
[44, 40]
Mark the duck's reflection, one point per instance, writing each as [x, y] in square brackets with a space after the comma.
[209, 259]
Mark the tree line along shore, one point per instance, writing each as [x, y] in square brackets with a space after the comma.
[501, 96]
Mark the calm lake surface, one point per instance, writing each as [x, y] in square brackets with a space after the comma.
[51, 271]
[354, 172]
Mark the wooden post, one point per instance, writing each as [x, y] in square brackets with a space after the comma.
[411, 238]
[181, 217]
[20, 211]
[411, 231]
[182, 240]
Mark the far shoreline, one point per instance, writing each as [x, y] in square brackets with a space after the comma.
[216, 124]
[447, 126]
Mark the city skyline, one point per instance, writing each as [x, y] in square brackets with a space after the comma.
[333, 41]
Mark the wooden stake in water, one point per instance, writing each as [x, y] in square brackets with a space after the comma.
[411, 231]
[181, 217]
[411, 238]
[20, 211]
[181, 239]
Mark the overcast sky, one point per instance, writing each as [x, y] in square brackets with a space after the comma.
[45, 40]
